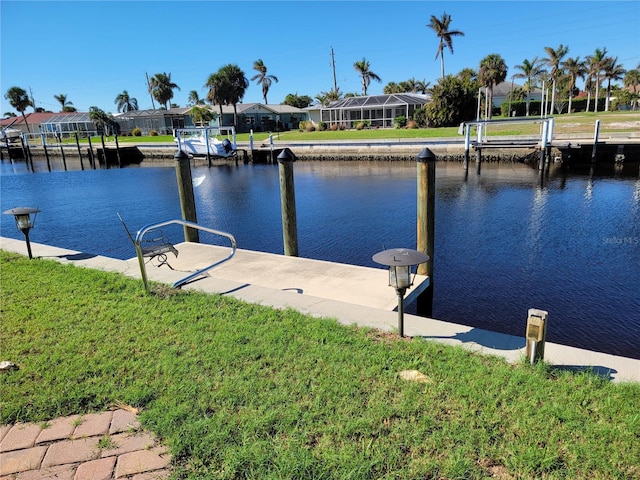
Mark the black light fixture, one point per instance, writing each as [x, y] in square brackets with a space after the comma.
[400, 261]
[24, 221]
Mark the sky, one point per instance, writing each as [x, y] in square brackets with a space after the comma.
[91, 51]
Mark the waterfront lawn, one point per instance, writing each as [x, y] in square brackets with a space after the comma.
[584, 123]
[237, 390]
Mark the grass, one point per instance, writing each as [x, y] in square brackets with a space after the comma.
[611, 122]
[237, 390]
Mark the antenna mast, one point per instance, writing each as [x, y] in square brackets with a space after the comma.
[333, 65]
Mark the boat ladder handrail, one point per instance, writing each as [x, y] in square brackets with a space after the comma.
[139, 250]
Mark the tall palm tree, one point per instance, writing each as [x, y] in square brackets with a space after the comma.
[227, 86]
[529, 70]
[19, 99]
[216, 94]
[125, 103]
[632, 79]
[262, 78]
[162, 88]
[612, 71]
[554, 62]
[575, 69]
[492, 71]
[441, 27]
[66, 105]
[596, 65]
[363, 68]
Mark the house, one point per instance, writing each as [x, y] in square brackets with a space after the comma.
[378, 110]
[33, 124]
[259, 117]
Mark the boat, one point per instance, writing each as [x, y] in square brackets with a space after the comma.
[10, 135]
[207, 141]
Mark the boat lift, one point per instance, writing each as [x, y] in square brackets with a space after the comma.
[543, 142]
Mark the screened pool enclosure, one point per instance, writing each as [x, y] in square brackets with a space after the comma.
[378, 110]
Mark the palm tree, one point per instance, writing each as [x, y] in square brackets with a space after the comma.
[612, 71]
[262, 78]
[194, 98]
[101, 119]
[227, 86]
[632, 79]
[441, 27]
[554, 60]
[575, 69]
[529, 70]
[125, 103]
[417, 86]
[216, 94]
[596, 65]
[162, 88]
[492, 71]
[325, 98]
[19, 100]
[363, 68]
[66, 105]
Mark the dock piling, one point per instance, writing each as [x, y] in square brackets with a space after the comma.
[185, 191]
[426, 166]
[288, 202]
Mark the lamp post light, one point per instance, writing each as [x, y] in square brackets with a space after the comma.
[24, 222]
[400, 261]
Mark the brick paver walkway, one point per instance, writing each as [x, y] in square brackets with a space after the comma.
[100, 446]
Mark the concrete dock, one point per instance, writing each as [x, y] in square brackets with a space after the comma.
[351, 294]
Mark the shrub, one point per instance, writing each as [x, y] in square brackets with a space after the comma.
[153, 133]
[363, 124]
[322, 126]
[309, 127]
[400, 121]
[412, 124]
[420, 117]
[136, 132]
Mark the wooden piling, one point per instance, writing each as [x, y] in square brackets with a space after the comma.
[288, 202]
[79, 151]
[185, 191]
[64, 158]
[467, 145]
[46, 153]
[104, 152]
[92, 158]
[426, 171]
[596, 134]
[115, 136]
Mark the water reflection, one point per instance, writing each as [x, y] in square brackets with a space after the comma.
[503, 243]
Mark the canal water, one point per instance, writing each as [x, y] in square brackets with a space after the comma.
[506, 240]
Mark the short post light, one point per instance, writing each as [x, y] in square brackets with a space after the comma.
[24, 222]
[400, 262]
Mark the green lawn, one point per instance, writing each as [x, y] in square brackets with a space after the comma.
[611, 122]
[244, 391]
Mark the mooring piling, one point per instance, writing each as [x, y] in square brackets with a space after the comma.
[426, 171]
[185, 191]
[288, 202]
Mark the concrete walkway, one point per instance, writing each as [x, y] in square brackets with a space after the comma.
[350, 294]
[100, 446]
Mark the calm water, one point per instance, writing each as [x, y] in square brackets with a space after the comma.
[504, 243]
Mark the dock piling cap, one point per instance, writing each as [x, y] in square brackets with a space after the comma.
[400, 257]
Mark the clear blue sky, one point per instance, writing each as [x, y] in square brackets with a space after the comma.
[92, 51]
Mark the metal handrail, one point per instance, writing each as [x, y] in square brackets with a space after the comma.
[143, 269]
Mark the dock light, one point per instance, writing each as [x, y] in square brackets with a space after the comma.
[24, 222]
[400, 262]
